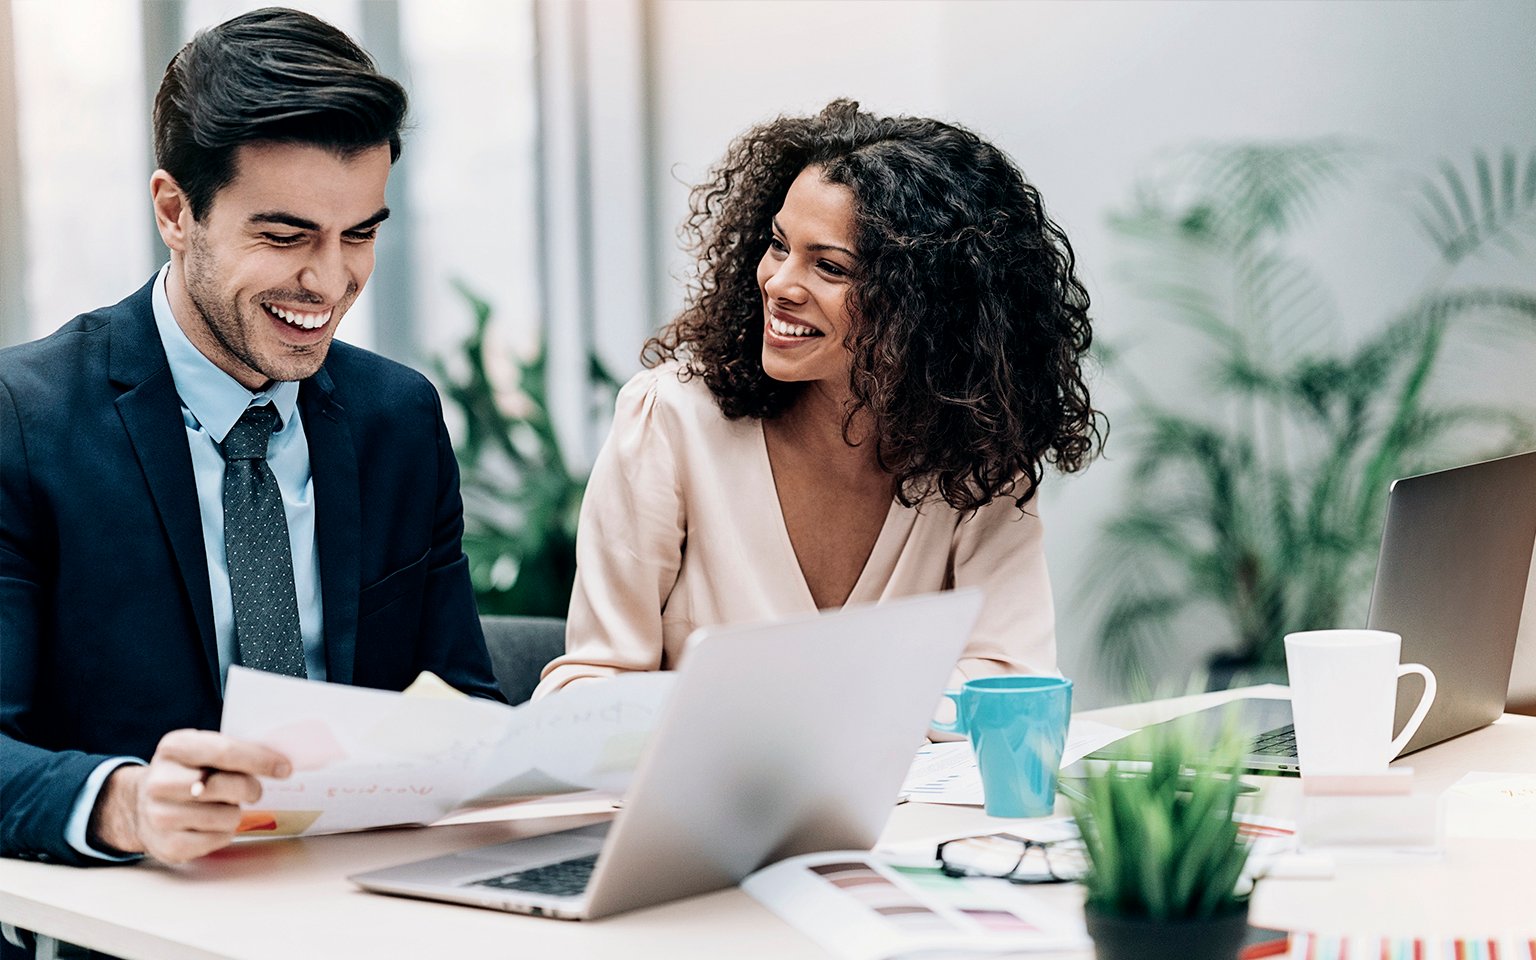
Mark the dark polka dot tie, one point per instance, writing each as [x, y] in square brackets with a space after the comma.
[256, 546]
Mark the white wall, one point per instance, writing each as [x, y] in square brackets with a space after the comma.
[471, 144]
[1086, 96]
[83, 132]
[81, 154]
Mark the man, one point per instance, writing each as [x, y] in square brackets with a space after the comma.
[198, 476]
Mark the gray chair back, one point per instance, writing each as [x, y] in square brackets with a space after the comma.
[519, 649]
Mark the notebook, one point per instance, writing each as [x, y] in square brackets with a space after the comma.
[1451, 579]
[779, 739]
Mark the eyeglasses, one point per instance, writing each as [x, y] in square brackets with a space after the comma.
[1004, 856]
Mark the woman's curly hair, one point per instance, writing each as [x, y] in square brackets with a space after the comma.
[969, 325]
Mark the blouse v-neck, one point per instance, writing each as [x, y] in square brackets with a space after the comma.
[786, 545]
[682, 528]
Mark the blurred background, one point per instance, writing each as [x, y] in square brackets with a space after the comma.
[1309, 229]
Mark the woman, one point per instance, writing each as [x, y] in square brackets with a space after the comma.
[880, 352]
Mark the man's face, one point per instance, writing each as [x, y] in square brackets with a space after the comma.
[280, 256]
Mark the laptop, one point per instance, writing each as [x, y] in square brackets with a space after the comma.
[778, 739]
[1456, 555]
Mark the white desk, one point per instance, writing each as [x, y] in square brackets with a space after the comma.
[290, 899]
[1479, 888]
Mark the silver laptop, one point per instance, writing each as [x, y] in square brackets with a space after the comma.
[1451, 579]
[779, 739]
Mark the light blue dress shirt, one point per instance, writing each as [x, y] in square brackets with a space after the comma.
[211, 402]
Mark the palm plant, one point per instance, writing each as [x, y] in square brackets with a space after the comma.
[521, 498]
[1261, 500]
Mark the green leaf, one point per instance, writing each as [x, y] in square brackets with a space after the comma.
[1162, 842]
[520, 497]
[1460, 219]
[1256, 503]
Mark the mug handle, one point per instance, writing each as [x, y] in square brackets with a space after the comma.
[959, 725]
[1419, 712]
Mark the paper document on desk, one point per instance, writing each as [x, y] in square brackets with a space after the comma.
[372, 758]
[1491, 805]
[859, 906]
[947, 773]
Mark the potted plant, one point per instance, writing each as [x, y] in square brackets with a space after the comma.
[1259, 497]
[1165, 856]
[521, 496]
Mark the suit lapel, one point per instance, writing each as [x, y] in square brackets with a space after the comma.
[151, 415]
[338, 520]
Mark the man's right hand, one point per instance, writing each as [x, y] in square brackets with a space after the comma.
[186, 802]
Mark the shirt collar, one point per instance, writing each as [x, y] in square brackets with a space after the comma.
[213, 398]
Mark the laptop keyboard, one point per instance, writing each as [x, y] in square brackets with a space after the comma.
[564, 879]
[1279, 742]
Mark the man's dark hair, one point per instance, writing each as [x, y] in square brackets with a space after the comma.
[970, 327]
[272, 75]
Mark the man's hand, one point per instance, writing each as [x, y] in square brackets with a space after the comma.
[186, 803]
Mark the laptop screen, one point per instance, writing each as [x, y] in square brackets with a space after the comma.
[1455, 560]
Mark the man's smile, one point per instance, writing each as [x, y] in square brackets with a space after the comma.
[300, 319]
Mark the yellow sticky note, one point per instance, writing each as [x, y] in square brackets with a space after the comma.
[429, 686]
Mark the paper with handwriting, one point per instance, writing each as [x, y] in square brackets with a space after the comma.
[371, 758]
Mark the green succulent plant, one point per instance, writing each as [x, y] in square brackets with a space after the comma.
[521, 497]
[1258, 500]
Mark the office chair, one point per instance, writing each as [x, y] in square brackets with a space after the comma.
[519, 648]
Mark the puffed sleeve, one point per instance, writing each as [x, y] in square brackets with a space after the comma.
[629, 544]
[1002, 551]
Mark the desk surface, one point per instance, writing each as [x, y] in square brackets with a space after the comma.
[290, 899]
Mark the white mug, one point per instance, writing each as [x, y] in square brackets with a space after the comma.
[1344, 695]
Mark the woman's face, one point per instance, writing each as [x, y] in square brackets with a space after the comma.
[805, 276]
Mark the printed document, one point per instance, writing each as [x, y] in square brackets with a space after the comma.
[372, 758]
[860, 906]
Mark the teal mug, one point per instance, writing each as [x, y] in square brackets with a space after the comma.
[1018, 729]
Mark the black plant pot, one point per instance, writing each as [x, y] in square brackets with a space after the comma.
[1226, 670]
[1117, 937]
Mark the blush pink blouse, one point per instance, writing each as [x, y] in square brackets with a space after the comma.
[681, 528]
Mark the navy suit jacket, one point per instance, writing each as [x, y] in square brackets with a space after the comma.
[106, 623]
